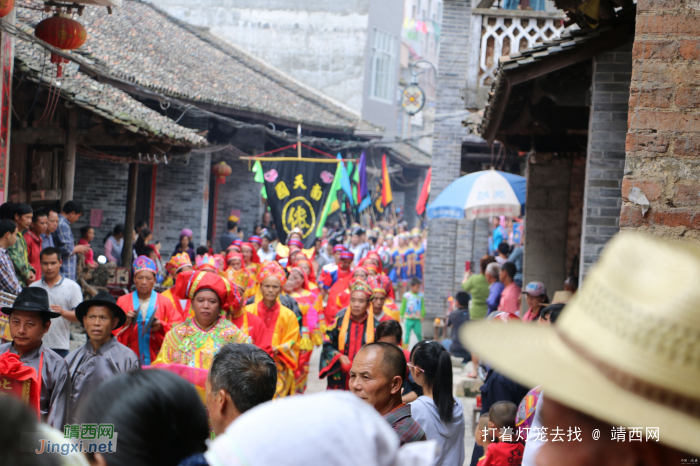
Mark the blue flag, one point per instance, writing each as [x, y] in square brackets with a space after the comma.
[345, 182]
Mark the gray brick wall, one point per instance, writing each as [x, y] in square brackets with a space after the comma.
[239, 192]
[606, 152]
[180, 198]
[181, 202]
[547, 219]
[446, 255]
[100, 185]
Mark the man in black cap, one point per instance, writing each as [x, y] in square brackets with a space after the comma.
[102, 356]
[30, 319]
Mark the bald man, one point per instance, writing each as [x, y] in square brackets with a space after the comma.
[376, 376]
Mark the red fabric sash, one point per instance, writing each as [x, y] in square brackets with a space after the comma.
[13, 376]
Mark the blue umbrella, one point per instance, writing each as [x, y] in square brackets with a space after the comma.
[488, 193]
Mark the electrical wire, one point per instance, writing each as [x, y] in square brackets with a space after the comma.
[89, 69]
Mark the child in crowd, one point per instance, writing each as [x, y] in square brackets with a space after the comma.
[413, 311]
[87, 234]
[506, 450]
[483, 435]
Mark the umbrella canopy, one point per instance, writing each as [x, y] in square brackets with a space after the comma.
[482, 194]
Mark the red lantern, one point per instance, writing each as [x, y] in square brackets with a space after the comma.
[62, 32]
[221, 170]
[6, 7]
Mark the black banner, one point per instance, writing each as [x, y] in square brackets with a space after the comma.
[296, 194]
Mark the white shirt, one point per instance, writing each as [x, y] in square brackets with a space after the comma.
[67, 294]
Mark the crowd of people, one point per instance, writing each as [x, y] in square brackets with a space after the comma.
[209, 371]
[238, 325]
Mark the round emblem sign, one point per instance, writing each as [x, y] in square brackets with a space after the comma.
[298, 213]
[412, 99]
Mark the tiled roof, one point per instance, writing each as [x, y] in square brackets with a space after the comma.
[520, 61]
[102, 99]
[142, 44]
[408, 154]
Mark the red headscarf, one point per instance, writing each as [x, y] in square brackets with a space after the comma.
[255, 259]
[312, 276]
[305, 285]
[228, 294]
[375, 256]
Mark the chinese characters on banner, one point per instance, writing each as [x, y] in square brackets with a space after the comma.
[296, 194]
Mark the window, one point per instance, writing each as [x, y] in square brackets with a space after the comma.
[383, 64]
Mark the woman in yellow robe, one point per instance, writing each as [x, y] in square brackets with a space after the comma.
[282, 328]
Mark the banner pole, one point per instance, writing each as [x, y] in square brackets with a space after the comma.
[298, 141]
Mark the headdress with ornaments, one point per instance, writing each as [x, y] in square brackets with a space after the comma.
[143, 263]
[177, 262]
[215, 261]
[272, 269]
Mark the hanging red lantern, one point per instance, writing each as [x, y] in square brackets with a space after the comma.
[62, 32]
[221, 170]
[6, 6]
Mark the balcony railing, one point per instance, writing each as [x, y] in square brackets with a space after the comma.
[499, 32]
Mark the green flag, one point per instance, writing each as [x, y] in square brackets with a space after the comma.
[258, 170]
[332, 203]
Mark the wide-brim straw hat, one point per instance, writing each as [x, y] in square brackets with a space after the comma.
[625, 350]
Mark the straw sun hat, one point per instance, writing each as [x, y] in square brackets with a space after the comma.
[625, 350]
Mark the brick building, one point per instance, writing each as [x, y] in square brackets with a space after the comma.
[194, 86]
[664, 126]
[565, 102]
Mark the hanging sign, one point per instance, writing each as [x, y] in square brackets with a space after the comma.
[412, 99]
[296, 193]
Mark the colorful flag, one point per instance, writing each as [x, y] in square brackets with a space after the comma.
[332, 203]
[363, 192]
[424, 193]
[345, 181]
[387, 197]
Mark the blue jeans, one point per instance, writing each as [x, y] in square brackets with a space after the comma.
[458, 352]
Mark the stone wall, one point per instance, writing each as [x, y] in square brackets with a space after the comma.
[444, 253]
[182, 193]
[663, 143]
[181, 199]
[100, 185]
[606, 153]
[546, 220]
[240, 192]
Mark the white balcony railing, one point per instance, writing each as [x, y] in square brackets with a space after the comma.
[495, 33]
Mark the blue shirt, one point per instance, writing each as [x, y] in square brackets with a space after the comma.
[494, 298]
[67, 243]
[47, 240]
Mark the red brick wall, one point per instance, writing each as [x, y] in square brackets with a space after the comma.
[663, 142]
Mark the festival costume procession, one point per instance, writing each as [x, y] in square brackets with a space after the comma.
[282, 333]
[351, 331]
[313, 327]
[177, 264]
[189, 347]
[153, 317]
[39, 376]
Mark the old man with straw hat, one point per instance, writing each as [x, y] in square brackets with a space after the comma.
[620, 369]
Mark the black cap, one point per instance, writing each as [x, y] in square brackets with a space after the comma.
[32, 299]
[102, 298]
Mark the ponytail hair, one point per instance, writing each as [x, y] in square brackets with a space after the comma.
[435, 361]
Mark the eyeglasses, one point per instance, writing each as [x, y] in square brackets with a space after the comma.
[414, 366]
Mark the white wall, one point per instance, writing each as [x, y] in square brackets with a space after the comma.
[321, 43]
